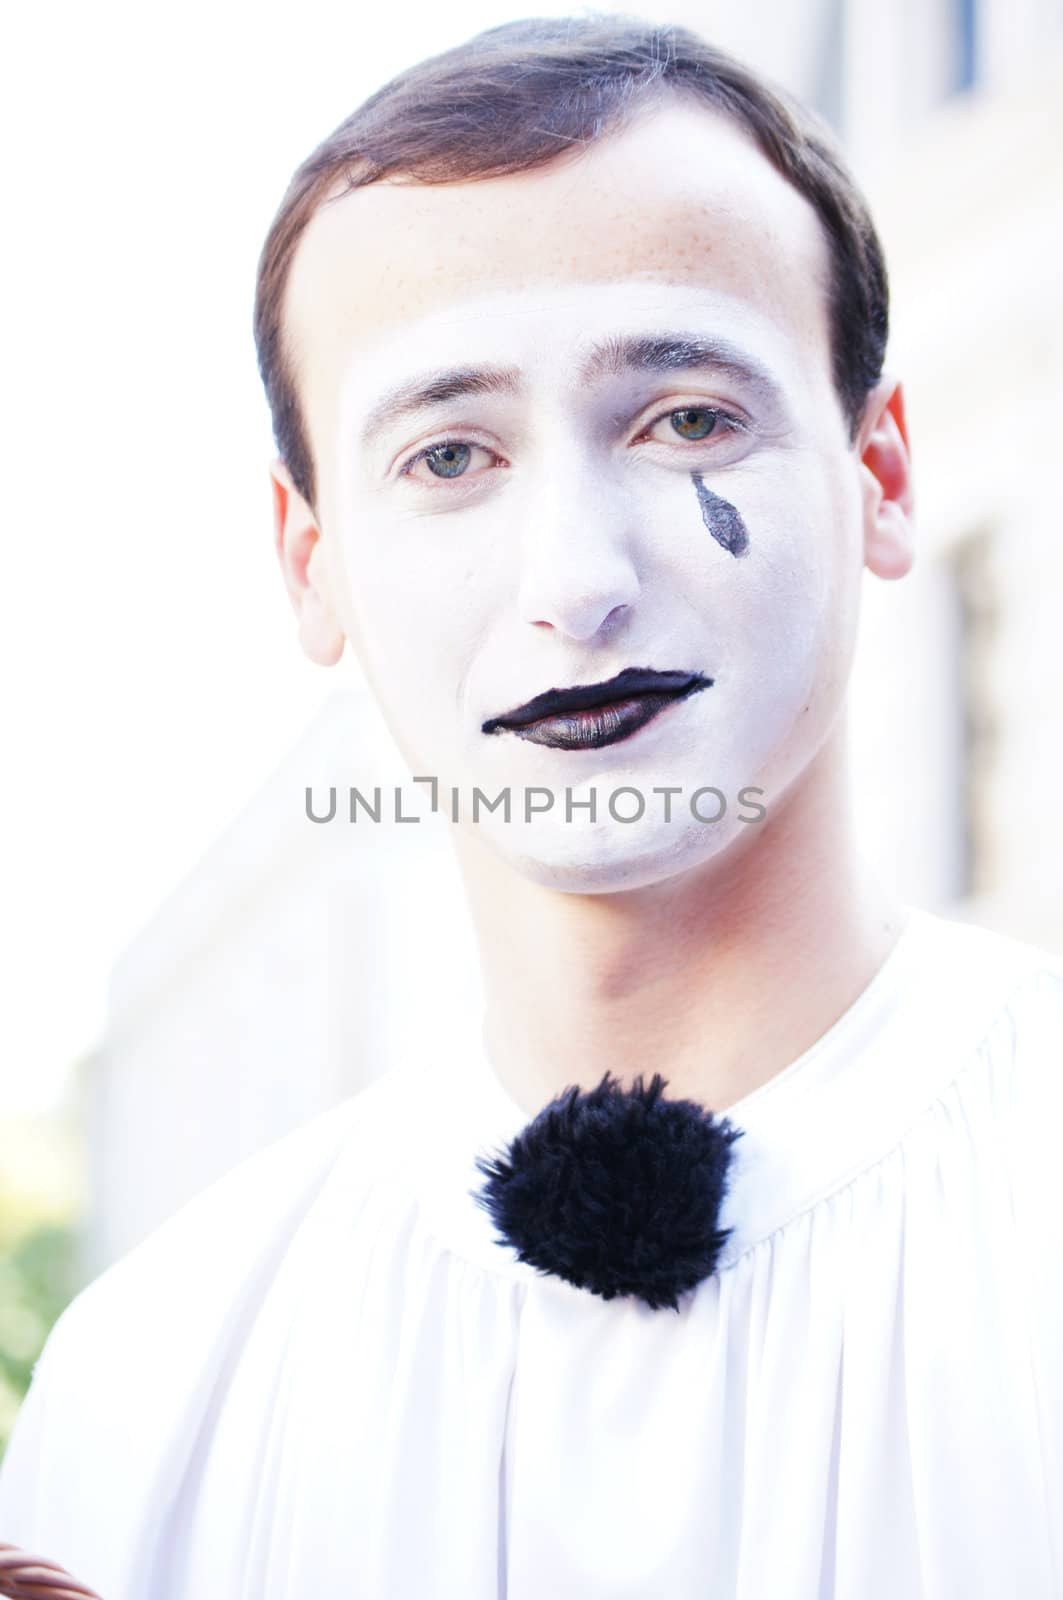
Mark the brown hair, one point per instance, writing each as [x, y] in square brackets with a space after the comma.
[518, 95]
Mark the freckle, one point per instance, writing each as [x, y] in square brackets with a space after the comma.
[721, 518]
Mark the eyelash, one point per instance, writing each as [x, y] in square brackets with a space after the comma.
[732, 425]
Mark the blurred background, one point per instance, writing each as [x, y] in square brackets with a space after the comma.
[191, 967]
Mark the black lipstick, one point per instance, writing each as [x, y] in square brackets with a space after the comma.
[588, 716]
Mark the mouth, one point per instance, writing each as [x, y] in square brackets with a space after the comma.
[586, 717]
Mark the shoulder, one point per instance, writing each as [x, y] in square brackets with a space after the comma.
[1026, 1040]
[1012, 989]
[983, 1012]
[995, 977]
[1026, 977]
[177, 1300]
[972, 992]
[139, 1358]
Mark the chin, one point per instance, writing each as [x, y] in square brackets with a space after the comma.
[612, 857]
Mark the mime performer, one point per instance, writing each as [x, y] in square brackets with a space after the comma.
[729, 1261]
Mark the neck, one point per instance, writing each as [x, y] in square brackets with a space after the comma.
[717, 977]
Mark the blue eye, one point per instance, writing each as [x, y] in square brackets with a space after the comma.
[447, 460]
[694, 422]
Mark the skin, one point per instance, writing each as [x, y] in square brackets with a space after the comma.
[584, 537]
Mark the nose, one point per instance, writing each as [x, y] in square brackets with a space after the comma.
[577, 572]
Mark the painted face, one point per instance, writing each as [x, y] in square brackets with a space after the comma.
[568, 425]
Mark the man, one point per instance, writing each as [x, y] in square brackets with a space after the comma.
[574, 339]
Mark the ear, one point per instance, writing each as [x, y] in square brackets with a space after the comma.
[301, 553]
[886, 482]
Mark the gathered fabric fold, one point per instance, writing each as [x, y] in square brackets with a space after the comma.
[326, 1375]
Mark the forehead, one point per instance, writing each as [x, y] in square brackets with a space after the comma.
[680, 200]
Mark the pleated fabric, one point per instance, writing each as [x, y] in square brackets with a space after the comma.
[326, 1376]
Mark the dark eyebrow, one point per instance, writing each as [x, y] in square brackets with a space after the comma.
[612, 357]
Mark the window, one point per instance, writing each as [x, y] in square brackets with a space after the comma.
[965, 44]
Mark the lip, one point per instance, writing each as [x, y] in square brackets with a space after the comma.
[602, 725]
[585, 697]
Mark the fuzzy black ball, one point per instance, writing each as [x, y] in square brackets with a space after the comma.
[616, 1191]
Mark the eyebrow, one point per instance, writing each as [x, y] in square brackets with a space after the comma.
[615, 356]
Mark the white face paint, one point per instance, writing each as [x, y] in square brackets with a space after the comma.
[572, 545]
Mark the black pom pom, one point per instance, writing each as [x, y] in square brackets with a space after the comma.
[616, 1191]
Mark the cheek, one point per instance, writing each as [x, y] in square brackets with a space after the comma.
[418, 620]
[753, 554]
[796, 617]
[776, 617]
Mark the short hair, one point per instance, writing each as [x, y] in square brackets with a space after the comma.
[515, 97]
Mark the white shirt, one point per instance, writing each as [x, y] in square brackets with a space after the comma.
[327, 1376]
